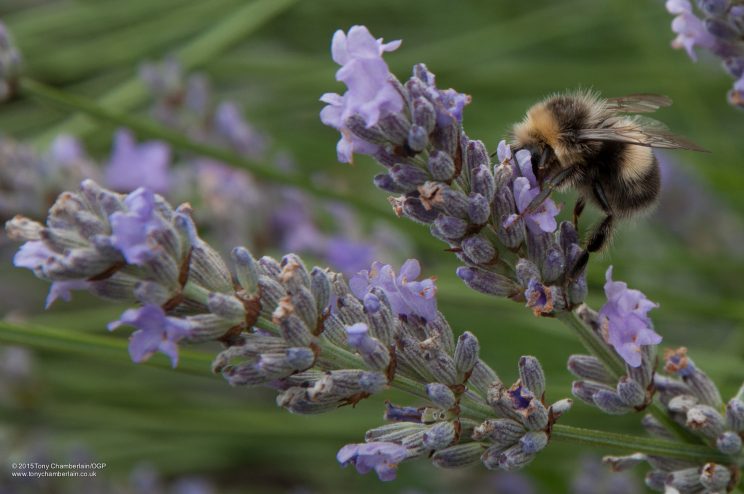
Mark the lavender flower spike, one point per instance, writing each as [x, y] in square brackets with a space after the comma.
[370, 93]
[383, 457]
[625, 323]
[156, 332]
[407, 296]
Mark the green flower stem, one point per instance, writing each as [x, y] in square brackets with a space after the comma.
[150, 129]
[649, 446]
[594, 344]
[201, 50]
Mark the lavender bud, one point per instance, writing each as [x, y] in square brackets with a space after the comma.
[457, 456]
[706, 420]
[715, 478]
[372, 350]
[526, 272]
[502, 176]
[394, 127]
[466, 352]
[358, 126]
[553, 265]
[271, 293]
[686, 480]
[734, 66]
[588, 367]
[408, 176]
[245, 269]
[577, 290]
[442, 367]
[418, 138]
[482, 377]
[713, 7]
[585, 390]
[320, 287]
[655, 428]
[226, 306]
[622, 463]
[479, 249]
[682, 403]
[452, 201]
[631, 392]
[735, 414]
[729, 443]
[149, 292]
[503, 432]
[439, 436]
[512, 459]
[656, 480]
[503, 203]
[441, 395]
[381, 321]
[610, 402]
[482, 182]
[513, 236]
[532, 375]
[294, 274]
[488, 282]
[451, 227]
[396, 413]
[721, 29]
[413, 208]
[534, 442]
[294, 331]
[479, 209]
[393, 432]
[440, 328]
[441, 166]
[560, 407]
[536, 416]
[476, 155]
[423, 114]
[269, 267]
[387, 183]
[305, 306]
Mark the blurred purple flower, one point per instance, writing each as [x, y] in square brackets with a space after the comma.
[382, 457]
[689, 28]
[130, 231]
[625, 323]
[407, 296]
[135, 165]
[347, 255]
[370, 93]
[66, 150]
[229, 122]
[525, 189]
[155, 332]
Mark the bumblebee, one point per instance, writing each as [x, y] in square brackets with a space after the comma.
[591, 144]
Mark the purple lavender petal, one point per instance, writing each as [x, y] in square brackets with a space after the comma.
[156, 332]
[625, 322]
[63, 290]
[382, 457]
[131, 230]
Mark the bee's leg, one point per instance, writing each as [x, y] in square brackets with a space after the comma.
[578, 209]
[600, 235]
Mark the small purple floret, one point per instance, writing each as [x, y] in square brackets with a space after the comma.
[407, 296]
[370, 93]
[155, 332]
[625, 323]
[131, 230]
[382, 457]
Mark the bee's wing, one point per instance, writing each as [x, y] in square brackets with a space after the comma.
[638, 103]
[641, 132]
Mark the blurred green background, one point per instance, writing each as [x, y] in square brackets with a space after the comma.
[506, 55]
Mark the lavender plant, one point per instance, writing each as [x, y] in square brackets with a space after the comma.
[717, 26]
[317, 341]
[322, 343]
[443, 179]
